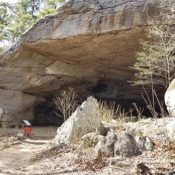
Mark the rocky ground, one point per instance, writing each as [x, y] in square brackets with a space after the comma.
[34, 156]
[158, 156]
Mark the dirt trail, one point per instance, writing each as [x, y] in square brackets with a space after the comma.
[15, 159]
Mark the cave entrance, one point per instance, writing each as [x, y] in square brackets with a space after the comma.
[117, 94]
[44, 115]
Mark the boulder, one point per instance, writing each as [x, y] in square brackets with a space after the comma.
[161, 129]
[90, 140]
[84, 120]
[169, 98]
[141, 168]
[105, 146]
[126, 146]
[144, 143]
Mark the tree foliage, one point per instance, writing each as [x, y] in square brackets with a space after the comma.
[156, 62]
[15, 19]
[50, 7]
[6, 13]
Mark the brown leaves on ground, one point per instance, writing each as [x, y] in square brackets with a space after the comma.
[54, 151]
[162, 158]
[82, 159]
[94, 164]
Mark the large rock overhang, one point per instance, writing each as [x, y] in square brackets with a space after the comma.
[88, 44]
[85, 60]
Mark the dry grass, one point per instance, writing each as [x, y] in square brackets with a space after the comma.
[109, 111]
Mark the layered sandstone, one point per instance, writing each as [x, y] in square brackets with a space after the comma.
[87, 44]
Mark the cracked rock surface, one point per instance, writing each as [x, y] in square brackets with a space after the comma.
[89, 45]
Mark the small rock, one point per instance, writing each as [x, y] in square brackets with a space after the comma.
[105, 146]
[118, 162]
[144, 143]
[126, 146]
[90, 140]
[20, 136]
[100, 149]
[113, 161]
[102, 130]
[12, 139]
[84, 120]
[111, 138]
[142, 169]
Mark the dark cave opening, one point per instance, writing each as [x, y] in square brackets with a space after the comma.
[107, 91]
[45, 115]
[100, 88]
[115, 92]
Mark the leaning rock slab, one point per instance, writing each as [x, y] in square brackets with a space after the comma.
[84, 120]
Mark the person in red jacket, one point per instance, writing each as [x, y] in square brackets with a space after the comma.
[27, 128]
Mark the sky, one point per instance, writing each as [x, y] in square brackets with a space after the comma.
[10, 1]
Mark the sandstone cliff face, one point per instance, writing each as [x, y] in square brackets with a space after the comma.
[88, 44]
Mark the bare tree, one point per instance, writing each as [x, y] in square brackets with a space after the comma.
[156, 62]
[66, 103]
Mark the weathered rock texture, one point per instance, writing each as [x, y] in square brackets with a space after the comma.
[88, 44]
[84, 120]
[17, 105]
[105, 146]
[163, 128]
[169, 98]
[126, 146]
